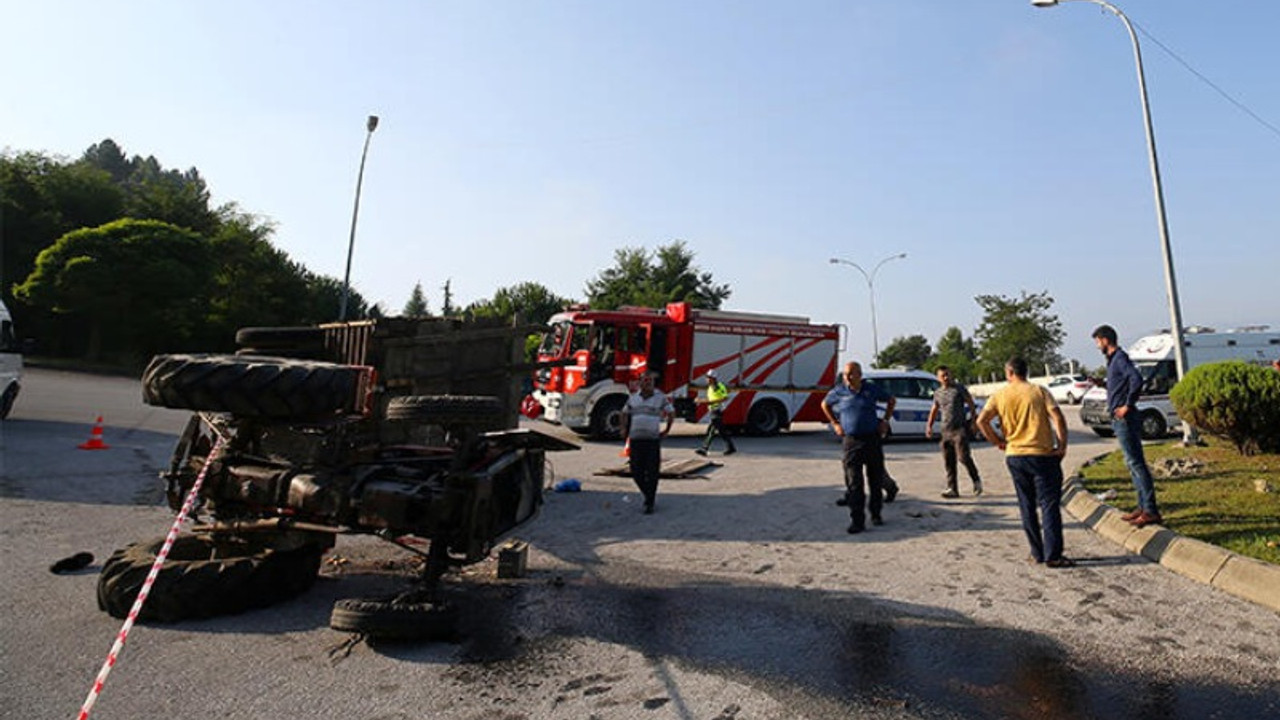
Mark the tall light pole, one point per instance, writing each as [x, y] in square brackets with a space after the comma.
[1171, 283]
[871, 290]
[370, 125]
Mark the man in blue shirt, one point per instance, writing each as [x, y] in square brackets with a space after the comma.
[1124, 386]
[851, 410]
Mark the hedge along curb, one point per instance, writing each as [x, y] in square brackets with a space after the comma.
[1252, 580]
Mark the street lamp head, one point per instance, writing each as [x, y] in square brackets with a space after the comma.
[900, 255]
[834, 261]
[1044, 3]
[372, 123]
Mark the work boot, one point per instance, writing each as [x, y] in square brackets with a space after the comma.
[701, 451]
[951, 493]
[977, 488]
[890, 491]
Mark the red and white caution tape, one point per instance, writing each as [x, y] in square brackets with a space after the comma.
[190, 502]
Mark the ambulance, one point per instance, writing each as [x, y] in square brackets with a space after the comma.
[1154, 357]
[777, 367]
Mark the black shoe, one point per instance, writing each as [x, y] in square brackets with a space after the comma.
[842, 501]
[731, 451]
[700, 451]
[890, 493]
[855, 528]
[877, 520]
[951, 493]
[648, 509]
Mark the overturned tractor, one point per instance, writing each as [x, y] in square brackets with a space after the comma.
[396, 428]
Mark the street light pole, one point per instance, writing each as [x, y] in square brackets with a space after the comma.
[871, 290]
[1170, 281]
[370, 125]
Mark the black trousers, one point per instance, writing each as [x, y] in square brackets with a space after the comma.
[646, 460]
[863, 460]
[716, 427]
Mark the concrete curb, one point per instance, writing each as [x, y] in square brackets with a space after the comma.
[1246, 578]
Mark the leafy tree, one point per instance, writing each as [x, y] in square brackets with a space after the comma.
[655, 279]
[417, 304]
[528, 302]
[254, 283]
[912, 352]
[139, 285]
[956, 352]
[109, 157]
[324, 299]
[42, 199]
[1018, 326]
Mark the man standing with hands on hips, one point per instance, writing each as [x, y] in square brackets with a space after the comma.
[1124, 387]
[851, 410]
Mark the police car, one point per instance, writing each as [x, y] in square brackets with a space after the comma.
[913, 392]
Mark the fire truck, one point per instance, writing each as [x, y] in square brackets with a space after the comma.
[779, 367]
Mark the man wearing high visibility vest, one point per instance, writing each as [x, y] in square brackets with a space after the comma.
[717, 396]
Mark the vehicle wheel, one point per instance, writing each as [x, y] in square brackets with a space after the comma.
[766, 418]
[606, 418]
[1103, 431]
[7, 400]
[250, 386]
[447, 409]
[205, 576]
[1153, 425]
[395, 619]
[280, 338]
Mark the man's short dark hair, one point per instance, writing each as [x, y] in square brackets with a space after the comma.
[1105, 332]
[940, 368]
[1017, 366]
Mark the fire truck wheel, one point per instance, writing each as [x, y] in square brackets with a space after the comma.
[280, 338]
[264, 387]
[606, 418]
[446, 409]
[395, 620]
[256, 571]
[766, 418]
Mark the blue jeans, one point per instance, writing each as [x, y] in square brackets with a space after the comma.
[1038, 480]
[1129, 432]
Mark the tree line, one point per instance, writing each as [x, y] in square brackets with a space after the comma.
[111, 258]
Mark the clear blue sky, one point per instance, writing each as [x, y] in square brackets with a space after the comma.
[1001, 146]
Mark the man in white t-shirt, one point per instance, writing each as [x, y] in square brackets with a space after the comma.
[646, 419]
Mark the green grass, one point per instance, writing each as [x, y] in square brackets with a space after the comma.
[1218, 504]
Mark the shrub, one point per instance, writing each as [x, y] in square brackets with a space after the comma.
[1233, 400]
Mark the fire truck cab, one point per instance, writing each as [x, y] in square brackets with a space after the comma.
[778, 367]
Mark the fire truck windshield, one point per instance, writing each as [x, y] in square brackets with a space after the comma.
[553, 340]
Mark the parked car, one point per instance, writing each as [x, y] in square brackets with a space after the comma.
[913, 394]
[1069, 389]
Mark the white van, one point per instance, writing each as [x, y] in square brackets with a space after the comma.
[1153, 356]
[10, 362]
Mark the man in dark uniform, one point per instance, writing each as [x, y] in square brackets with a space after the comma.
[851, 410]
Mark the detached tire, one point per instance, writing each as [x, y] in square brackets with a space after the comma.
[446, 409]
[392, 620]
[281, 338]
[265, 387]
[202, 578]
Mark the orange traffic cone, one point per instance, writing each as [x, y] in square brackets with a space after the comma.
[626, 449]
[95, 438]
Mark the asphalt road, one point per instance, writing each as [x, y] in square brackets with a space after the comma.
[742, 597]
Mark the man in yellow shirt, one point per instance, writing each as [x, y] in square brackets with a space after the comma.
[1033, 436]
